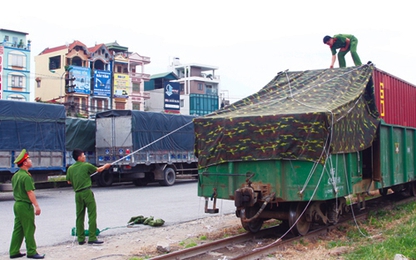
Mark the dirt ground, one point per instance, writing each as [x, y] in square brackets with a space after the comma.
[143, 242]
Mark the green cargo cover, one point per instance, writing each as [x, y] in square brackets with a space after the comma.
[80, 134]
[301, 115]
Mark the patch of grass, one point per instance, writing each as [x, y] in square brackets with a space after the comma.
[356, 234]
[333, 244]
[241, 230]
[188, 243]
[303, 242]
[191, 244]
[375, 222]
[203, 238]
[390, 232]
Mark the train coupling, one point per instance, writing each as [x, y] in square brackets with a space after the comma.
[214, 209]
[245, 197]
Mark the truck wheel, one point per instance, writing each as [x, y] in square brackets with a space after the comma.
[169, 177]
[105, 179]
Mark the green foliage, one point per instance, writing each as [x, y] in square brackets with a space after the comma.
[375, 222]
[203, 238]
[394, 238]
[355, 234]
[341, 228]
[139, 258]
[241, 230]
[192, 244]
[333, 244]
[188, 243]
[303, 242]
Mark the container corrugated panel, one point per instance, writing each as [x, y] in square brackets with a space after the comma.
[396, 99]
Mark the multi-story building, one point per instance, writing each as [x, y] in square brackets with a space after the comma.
[64, 75]
[129, 77]
[198, 86]
[90, 80]
[14, 65]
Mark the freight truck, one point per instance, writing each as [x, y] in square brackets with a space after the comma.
[146, 146]
[40, 129]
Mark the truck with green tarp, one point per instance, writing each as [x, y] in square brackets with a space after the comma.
[148, 147]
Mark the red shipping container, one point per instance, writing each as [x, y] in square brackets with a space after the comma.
[396, 99]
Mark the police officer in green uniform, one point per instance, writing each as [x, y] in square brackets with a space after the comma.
[78, 175]
[24, 212]
[346, 43]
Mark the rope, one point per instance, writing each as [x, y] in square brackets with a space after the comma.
[351, 204]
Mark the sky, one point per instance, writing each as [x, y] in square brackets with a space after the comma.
[249, 41]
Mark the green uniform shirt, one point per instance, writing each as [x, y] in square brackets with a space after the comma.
[79, 175]
[22, 182]
[341, 41]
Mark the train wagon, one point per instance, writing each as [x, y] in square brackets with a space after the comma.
[297, 148]
[37, 127]
[148, 147]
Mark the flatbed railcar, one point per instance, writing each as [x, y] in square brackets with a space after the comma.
[296, 149]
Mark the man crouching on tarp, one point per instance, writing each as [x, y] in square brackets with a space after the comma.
[346, 43]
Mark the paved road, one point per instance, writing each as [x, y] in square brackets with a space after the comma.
[116, 204]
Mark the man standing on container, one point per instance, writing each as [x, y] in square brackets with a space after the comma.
[78, 175]
[25, 208]
[346, 43]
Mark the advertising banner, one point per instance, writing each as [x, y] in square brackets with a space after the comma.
[82, 81]
[121, 85]
[102, 83]
[172, 96]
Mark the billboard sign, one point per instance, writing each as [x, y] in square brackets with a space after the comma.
[121, 85]
[172, 96]
[82, 80]
[102, 83]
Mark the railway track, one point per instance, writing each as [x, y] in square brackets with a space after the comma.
[270, 240]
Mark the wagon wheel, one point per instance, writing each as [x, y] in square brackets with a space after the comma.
[255, 225]
[302, 225]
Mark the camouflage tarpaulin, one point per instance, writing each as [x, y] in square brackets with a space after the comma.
[293, 117]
